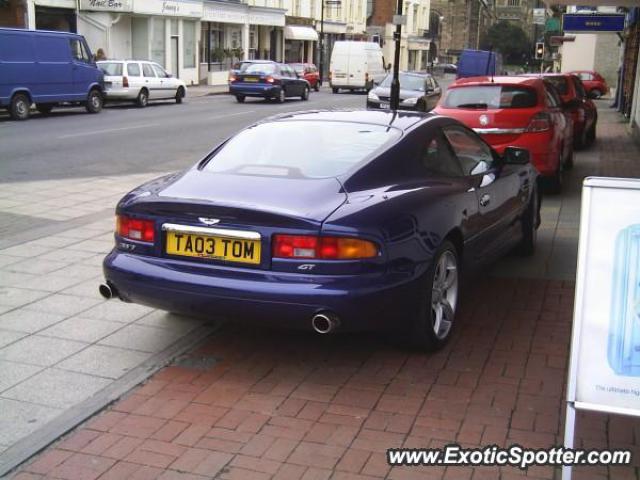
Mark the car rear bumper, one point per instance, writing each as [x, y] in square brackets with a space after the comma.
[362, 302]
[255, 90]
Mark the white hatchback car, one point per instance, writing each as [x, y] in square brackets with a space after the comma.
[140, 81]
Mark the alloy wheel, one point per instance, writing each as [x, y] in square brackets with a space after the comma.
[444, 294]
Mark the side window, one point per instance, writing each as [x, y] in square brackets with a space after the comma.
[438, 160]
[160, 73]
[552, 97]
[585, 76]
[475, 156]
[78, 51]
[147, 70]
[133, 69]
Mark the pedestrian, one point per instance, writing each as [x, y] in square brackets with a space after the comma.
[100, 55]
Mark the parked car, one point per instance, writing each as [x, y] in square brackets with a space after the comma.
[46, 68]
[140, 81]
[516, 111]
[309, 72]
[576, 102]
[355, 65]
[473, 63]
[367, 230]
[418, 91]
[594, 83]
[270, 81]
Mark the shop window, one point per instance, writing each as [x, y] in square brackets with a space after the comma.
[158, 40]
[140, 38]
[189, 44]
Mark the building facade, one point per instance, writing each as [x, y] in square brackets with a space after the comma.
[415, 41]
[517, 12]
[460, 24]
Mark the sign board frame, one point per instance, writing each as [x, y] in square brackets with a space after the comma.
[593, 22]
[573, 397]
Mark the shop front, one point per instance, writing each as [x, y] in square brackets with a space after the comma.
[165, 32]
[52, 15]
[418, 53]
[300, 40]
[232, 31]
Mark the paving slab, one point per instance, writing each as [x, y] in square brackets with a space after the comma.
[40, 350]
[104, 361]
[20, 419]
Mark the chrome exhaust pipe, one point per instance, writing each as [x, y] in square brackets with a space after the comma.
[107, 291]
[324, 323]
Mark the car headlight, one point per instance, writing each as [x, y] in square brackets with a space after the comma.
[373, 96]
[410, 101]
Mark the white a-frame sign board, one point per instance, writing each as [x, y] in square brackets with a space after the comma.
[604, 369]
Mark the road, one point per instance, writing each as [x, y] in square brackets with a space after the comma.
[124, 139]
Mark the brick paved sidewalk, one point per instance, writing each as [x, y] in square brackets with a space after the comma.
[260, 404]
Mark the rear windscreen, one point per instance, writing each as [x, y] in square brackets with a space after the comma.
[300, 149]
[260, 68]
[490, 97]
[111, 69]
[560, 83]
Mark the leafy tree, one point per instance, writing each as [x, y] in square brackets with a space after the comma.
[510, 40]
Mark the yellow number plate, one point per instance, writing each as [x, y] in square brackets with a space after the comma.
[250, 79]
[216, 248]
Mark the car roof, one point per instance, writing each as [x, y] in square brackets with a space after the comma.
[403, 120]
[500, 80]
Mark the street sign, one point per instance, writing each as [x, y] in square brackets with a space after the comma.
[539, 16]
[399, 20]
[333, 2]
[604, 366]
[598, 22]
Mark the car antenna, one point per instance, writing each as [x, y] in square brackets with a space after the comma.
[489, 63]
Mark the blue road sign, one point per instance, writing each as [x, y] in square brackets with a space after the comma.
[598, 22]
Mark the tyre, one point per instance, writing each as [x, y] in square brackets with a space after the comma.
[180, 95]
[44, 108]
[530, 221]
[554, 183]
[240, 98]
[436, 315]
[591, 134]
[335, 89]
[305, 94]
[282, 95]
[19, 107]
[143, 98]
[568, 162]
[94, 101]
[596, 93]
[317, 87]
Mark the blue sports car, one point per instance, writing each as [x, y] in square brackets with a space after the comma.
[368, 230]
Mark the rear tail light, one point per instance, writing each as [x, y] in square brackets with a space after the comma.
[540, 122]
[324, 248]
[270, 79]
[232, 78]
[135, 228]
[125, 82]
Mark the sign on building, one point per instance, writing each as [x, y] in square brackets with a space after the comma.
[604, 370]
[539, 16]
[107, 5]
[594, 22]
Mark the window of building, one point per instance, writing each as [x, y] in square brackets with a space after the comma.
[189, 44]
[157, 40]
[513, 3]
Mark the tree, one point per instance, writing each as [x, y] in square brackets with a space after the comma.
[510, 40]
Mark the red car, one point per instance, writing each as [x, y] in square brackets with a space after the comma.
[594, 83]
[309, 72]
[516, 111]
[577, 104]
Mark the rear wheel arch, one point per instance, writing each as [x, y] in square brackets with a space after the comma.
[23, 92]
[455, 236]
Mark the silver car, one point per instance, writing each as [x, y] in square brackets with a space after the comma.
[140, 81]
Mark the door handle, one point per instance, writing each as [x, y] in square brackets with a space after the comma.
[485, 200]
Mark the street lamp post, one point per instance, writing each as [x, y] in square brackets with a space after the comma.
[328, 2]
[395, 83]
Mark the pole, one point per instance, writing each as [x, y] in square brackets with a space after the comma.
[321, 41]
[395, 83]
[569, 433]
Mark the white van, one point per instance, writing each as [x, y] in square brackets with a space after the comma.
[355, 65]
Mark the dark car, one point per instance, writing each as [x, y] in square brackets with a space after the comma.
[309, 72]
[366, 230]
[418, 91]
[240, 66]
[269, 81]
[577, 104]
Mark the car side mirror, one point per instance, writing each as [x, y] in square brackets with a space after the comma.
[516, 156]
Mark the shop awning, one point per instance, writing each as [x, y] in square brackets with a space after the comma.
[293, 32]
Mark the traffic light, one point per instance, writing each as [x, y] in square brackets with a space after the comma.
[539, 50]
